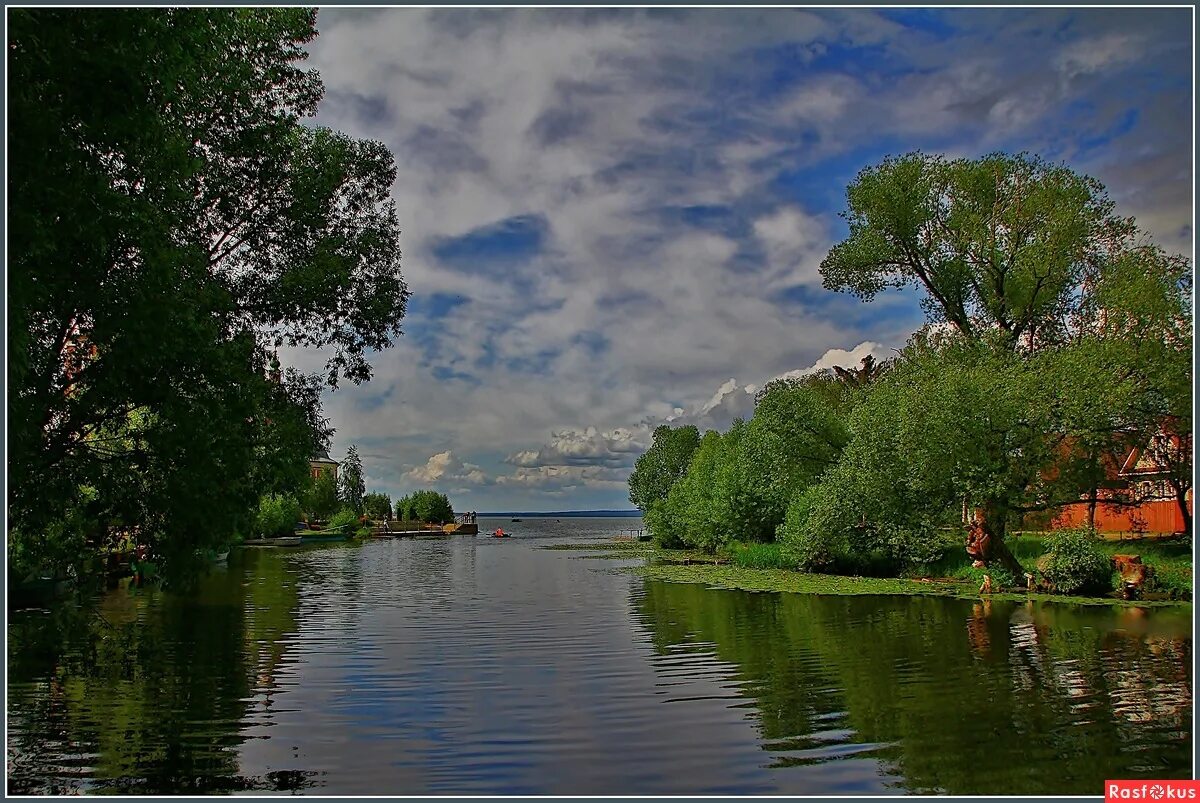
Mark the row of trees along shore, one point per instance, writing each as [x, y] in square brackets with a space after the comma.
[344, 502]
[174, 219]
[1058, 337]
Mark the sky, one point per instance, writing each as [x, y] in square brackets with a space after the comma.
[614, 219]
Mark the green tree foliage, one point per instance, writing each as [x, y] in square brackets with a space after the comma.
[352, 487]
[425, 505]
[321, 500]
[343, 519]
[378, 506]
[277, 515]
[695, 511]
[868, 370]
[1065, 343]
[404, 508]
[957, 420]
[431, 506]
[797, 432]
[738, 485]
[173, 220]
[1006, 244]
[1025, 257]
[662, 464]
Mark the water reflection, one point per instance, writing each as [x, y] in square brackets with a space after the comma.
[947, 695]
[484, 666]
[143, 692]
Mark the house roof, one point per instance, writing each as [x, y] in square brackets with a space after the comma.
[322, 457]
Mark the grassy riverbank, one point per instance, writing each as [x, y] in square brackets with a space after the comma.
[764, 567]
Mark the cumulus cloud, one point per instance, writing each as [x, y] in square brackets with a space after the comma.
[841, 358]
[565, 477]
[731, 400]
[628, 208]
[444, 467]
[583, 447]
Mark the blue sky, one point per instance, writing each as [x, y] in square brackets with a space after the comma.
[615, 218]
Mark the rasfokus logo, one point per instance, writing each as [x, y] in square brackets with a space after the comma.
[1152, 791]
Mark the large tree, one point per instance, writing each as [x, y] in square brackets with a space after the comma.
[1007, 247]
[173, 221]
[1023, 256]
[352, 485]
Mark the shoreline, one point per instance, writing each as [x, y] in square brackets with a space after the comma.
[685, 566]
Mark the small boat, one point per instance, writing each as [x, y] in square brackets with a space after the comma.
[221, 557]
[516, 519]
[287, 540]
[313, 537]
[500, 534]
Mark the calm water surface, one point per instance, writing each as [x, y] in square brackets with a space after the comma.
[476, 665]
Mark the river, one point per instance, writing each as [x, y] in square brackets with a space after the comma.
[475, 665]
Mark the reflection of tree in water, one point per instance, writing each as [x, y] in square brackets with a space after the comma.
[270, 605]
[144, 695]
[959, 697]
[144, 692]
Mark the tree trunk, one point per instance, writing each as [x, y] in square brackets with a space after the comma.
[985, 540]
[1181, 499]
[1092, 509]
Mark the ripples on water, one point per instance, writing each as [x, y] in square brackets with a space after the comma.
[476, 665]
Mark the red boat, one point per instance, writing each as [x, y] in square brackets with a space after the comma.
[500, 534]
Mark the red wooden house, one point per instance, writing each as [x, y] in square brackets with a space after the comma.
[1140, 497]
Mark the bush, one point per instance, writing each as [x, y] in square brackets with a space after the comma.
[345, 517]
[277, 514]
[1074, 564]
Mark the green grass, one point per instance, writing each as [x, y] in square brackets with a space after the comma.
[758, 556]
[1171, 559]
[605, 545]
[784, 580]
[764, 567]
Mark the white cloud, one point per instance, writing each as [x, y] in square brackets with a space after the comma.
[614, 128]
[840, 358]
[445, 467]
[796, 243]
[565, 477]
[583, 447]
[1100, 53]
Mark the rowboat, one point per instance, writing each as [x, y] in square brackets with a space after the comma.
[287, 540]
[309, 538]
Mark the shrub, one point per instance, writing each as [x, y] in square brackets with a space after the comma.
[346, 517]
[1074, 564]
[277, 514]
